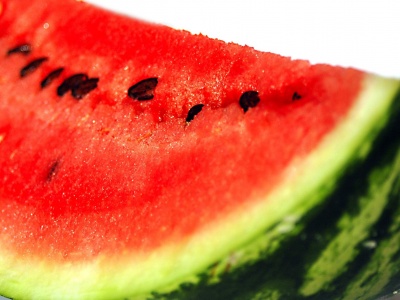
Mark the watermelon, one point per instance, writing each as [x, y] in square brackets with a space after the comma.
[142, 162]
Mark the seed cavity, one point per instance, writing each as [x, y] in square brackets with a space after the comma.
[193, 112]
[24, 49]
[83, 88]
[296, 96]
[32, 66]
[70, 83]
[143, 90]
[51, 173]
[50, 77]
[249, 99]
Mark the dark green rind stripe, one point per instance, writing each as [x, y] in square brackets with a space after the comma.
[307, 262]
[381, 275]
[354, 246]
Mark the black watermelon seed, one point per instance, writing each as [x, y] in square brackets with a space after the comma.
[50, 77]
[32, 66]
[23, 49]
[143, 90]
[296, 96]
[193, 112]
[84, 87]
[52, 170]
[249, 99]
[70, 83]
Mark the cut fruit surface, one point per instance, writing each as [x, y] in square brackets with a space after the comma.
[134, 156]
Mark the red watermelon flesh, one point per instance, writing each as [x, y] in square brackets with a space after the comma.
[108, 172]
[161, 136]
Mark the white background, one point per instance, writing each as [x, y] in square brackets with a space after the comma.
[363, 34]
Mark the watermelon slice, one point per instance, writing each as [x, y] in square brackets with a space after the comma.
[144, 162]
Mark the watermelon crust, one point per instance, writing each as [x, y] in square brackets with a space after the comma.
[134, 199]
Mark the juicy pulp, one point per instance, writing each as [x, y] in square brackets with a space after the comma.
[108, 181]
[144, 151]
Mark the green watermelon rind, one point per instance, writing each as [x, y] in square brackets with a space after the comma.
[354, 230]
[376, 277]
[311, 180]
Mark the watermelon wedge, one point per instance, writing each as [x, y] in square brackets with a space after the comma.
[142, 162]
